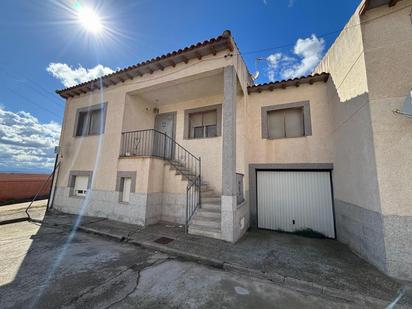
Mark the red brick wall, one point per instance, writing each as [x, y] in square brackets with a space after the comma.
[21, 187]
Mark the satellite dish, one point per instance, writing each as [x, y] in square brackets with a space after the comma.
[406, 109]
[256, 75]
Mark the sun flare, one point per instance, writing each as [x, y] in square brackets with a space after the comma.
[89, 19]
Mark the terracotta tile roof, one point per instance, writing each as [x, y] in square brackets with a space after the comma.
[198, 50]
[309, 79]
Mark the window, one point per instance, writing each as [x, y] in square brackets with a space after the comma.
[79, 182]
[286, 123]
[125, 184]
[125, 189]
[203, 124]
[90, 120]
[96, 122]
[80, 185]
[81, 124]
[286, 120]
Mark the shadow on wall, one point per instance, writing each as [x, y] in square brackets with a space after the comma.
[359, 222]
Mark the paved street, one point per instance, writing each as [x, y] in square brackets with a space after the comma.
[49, 267]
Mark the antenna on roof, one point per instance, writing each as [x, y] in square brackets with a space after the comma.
[256, 75]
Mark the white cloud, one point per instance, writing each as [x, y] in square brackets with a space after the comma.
[70, 76]
[25, 143]
[307, 53]
[291, 3]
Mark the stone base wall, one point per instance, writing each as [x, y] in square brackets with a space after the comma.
[143, 208]
[174, 208]
[384, 241]
[362, 231]
[398, 244]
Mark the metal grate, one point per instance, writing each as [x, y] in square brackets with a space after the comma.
[164, 240]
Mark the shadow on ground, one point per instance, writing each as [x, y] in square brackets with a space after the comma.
[54, 252]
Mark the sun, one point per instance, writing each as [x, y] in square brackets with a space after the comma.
[89, 19]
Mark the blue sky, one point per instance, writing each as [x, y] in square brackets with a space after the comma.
[43, 46]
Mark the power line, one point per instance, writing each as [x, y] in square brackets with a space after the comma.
[328, 33]
[50, 95]
[270, 48]
[32, 102]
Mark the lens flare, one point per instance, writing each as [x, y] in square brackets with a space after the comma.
[89, 19]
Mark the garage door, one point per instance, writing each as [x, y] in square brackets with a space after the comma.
[295, 200]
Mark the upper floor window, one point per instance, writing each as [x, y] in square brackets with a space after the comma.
[203, 122]
[286, 120]
[90, 120]
[286, 123]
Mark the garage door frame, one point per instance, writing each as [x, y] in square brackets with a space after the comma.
[300, 167]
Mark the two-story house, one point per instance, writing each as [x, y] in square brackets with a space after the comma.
[189, 138]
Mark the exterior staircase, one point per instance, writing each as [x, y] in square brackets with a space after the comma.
[207, 219]
[203, 204]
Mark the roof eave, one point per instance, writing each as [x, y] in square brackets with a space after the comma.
[199, 50]
[283, 84]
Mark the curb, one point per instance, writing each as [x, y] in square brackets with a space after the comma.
[296, 284]
[15, 220]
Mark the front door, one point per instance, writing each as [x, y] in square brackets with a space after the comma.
[165, 123]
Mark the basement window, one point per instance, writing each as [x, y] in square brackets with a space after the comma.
[80, 185]
[125, 189]
[90, 120]
[125, 185]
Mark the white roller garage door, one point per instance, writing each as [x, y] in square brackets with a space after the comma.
[295, 200]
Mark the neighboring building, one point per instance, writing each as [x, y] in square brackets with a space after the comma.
[136, 143]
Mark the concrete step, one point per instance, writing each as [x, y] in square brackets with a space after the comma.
[206, 222]
[205, 188]
[180, 169]
[209, 193]
[205, 231]
[215, 199]
[188, 174]
[211, 206]
[209, 212]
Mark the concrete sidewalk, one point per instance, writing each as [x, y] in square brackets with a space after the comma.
[16, 212]
[316, 265]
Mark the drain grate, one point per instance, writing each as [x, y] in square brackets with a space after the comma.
[164, 240]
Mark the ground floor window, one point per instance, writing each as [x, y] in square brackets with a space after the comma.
[80, 185]
[125, 188]
[125, 185]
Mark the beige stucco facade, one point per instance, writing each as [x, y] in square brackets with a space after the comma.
[370, 77]
[352, 129]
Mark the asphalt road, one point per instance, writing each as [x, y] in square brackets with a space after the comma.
[47, 267]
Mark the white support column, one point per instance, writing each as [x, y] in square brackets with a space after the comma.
[229, 154]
